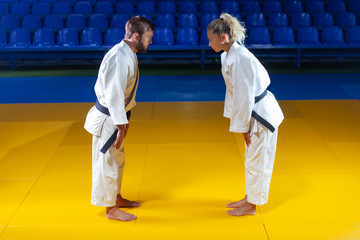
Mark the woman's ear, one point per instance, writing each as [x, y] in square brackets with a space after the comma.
[224, 38]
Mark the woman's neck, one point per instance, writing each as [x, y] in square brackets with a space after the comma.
[227, 46]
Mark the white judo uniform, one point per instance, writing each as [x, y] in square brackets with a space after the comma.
[246, 79]
[115, 89]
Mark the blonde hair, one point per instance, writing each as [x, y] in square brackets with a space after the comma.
[230, 26]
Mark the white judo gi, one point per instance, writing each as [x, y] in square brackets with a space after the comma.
[115, 89]
[246, 79]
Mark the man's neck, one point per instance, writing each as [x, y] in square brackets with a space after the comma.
[131, 44]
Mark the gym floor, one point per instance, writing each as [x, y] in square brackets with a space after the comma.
[184, 166]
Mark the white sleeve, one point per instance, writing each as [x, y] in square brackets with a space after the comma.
[243, 74]
[115, 80]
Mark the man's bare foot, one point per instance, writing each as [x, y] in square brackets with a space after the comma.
[117, 214]
[246, 209]
[238, 204]
[121, 202]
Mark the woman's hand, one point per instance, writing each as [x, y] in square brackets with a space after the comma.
[247, 139]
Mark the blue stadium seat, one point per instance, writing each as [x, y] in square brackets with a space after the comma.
[30, 2]
[284, 36]
[187, 20]
[99, 21]
[163, 37]
[9, 22]
[51, 2]
[278, 20]
[353, 36]
[354, 6]
[92, 2]
[332, 36]
[119, 20]
[113, 2]
[3, 39]
[346, 20]
[113, 36]
[165, 20]
[187, 7]
[299, 20]
[76, 21]
[230, 7]
[237, 16]
[147, 15]
[19, 38]
[259, 35]
[315, 6]
[91, 37]
[323, 20]
[308, 36]
[166, 7]
[67, 37]
[54, 22]
[9, 2]
[271, 7]
[207, 18]
[104, 8]
[43, 38]
[255, 20]
[293, 6]
[71, 2]
[204, 40]
[41, 9]
[250, 7]
[335, 7]
[187, 37]
[62, 8]
[20, 9]
[208, 7]
[124, 7]
[145, 7]
[4, 9]
[31, 23]
[83, 8]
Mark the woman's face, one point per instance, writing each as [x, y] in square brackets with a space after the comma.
[216, 41]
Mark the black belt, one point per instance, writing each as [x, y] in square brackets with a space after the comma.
[112, 139]
[258, 117]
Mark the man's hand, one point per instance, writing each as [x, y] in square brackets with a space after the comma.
[122, 129]
[247, 139]
[126, 129]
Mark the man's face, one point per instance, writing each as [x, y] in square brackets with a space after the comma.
[143, 43]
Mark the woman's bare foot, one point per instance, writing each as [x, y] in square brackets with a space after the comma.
[246, 209]
[121, 202]
[238, 204]
[117, 214]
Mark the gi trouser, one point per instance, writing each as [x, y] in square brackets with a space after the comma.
[107, 169]
[259, 162]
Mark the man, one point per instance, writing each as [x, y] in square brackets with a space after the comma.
[108, 120]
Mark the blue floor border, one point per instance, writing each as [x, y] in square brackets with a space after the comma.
[177, 88]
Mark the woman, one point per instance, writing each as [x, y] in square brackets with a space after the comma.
[252, 109]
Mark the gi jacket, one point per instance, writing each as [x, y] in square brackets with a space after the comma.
[115, 87]
[245, 79]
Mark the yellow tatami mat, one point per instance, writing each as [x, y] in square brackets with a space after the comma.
[184, 166]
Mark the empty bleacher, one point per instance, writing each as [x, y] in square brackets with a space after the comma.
[277, 29]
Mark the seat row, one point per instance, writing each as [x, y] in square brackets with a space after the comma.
[56, 22]
[164, 37]
[334, 7]
[100, 21]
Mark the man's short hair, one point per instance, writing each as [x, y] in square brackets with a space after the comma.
[137, 24]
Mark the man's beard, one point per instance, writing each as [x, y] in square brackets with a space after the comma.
[140, 46]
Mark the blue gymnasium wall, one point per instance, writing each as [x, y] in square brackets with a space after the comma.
[177, 88]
